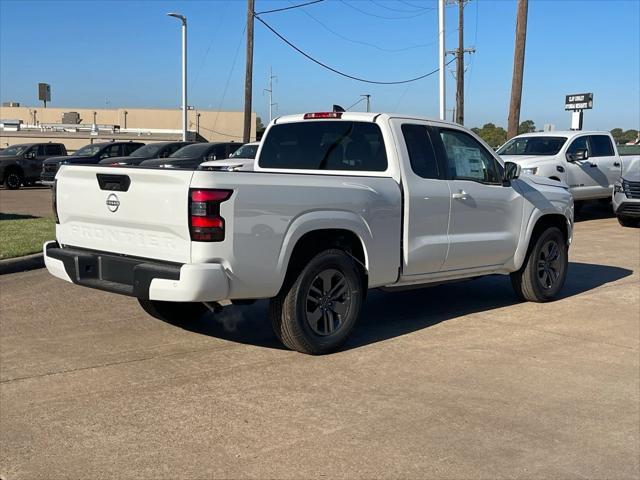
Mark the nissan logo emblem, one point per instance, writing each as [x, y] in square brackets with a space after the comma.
[112, 202]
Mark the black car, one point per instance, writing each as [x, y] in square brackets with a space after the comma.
[191, 156]
[88, 155]
[152, 150]
[21, 164]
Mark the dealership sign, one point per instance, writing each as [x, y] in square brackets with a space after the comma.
[578, 101]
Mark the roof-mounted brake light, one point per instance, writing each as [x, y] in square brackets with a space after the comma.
[309, 116]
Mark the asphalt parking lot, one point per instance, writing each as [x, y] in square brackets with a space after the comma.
[455, 381]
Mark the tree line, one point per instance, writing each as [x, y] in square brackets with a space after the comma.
[496, 136]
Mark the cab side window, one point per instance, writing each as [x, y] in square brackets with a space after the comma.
[39, 151]
[467, 159]
[580, 143]
[129, 148]
[53, 149]
[601, 146]
[111, 151]
[421, 154]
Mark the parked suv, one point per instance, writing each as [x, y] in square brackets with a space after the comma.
[21, 164]
[191, 156]
[148, 152]
[88, 155]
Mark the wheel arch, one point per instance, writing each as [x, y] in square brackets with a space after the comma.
[12, 168]
[538, 224]
[311, 233]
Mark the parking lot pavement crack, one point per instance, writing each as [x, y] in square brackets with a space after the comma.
[108, 364]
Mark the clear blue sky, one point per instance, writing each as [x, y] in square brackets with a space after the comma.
[125, 53]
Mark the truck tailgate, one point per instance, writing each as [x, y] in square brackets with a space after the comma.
[132, 211]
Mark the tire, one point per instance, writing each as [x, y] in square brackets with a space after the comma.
[318, 307]
[629, 221]
[12, 180]
[176, 313]
[544, 271]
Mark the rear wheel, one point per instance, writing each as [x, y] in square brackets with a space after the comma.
[629, 221]
[315, 311]
[12, 180]
[545, 269]
[177, 313]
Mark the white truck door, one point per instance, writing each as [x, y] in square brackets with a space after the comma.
[486, 215]
[605, 157]
[586, 180]
[427, 199]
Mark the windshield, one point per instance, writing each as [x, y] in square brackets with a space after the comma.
[147, 151]
[245, 151]
[532, 146]
[195, 150]
[13, 151]
[88, 150]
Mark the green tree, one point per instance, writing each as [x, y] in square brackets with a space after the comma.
[490, 133]
[629, 136]
[617, 135]
[259, 124]
[527, 126]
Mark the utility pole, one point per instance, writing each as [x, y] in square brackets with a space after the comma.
[270, 92]
[518, 68]
[248, 77]
[441, 51]
[460, 68]
[368, 97]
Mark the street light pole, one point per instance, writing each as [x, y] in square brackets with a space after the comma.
[441, 51]
[183, 19]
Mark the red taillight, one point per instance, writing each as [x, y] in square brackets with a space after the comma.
[205, 222]
[310, 116]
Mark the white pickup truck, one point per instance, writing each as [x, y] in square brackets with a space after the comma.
[586, 161]
[338, 203]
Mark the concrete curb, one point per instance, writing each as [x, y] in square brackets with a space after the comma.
[21, 264]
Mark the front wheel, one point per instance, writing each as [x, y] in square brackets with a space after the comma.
[177, 313]
[13, 180]
[545, 269]
[315, 311]
[629, 221]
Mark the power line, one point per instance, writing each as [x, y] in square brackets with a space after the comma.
[334, 70]
[226, 86]
[213, 38]
[364, 12]
[362, 42]
[291, 7]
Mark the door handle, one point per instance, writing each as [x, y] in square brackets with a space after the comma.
[616, 164]
[593, 165]
[462, 195]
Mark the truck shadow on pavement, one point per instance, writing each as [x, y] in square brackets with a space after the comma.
[388, 315]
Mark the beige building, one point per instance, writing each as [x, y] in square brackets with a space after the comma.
[39, 124]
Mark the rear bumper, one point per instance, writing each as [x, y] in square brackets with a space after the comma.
[137, 277]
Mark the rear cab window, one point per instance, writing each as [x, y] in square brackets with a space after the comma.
[325, 145]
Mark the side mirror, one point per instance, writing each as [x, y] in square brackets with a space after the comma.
[580, 154]
[30, 154]
[511, 171]
[211, 157]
